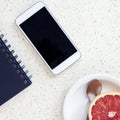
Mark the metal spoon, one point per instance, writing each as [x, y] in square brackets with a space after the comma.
[93, 89]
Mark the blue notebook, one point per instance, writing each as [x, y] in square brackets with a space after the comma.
[13, 79]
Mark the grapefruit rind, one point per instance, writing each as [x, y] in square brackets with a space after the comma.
[96, 98]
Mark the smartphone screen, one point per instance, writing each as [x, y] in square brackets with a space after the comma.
[46, 35]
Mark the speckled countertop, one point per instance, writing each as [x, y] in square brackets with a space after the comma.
[94, 26]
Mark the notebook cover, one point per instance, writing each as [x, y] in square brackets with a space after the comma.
[13, 79]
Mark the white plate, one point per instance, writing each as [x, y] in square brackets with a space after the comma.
[76, 102]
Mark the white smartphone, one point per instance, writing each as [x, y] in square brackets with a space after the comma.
[48, 37]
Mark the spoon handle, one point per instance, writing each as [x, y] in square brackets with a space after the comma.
[87, 118]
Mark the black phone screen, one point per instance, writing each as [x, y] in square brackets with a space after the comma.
[46, 35]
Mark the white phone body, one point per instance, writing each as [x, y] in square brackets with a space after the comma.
[30, 12]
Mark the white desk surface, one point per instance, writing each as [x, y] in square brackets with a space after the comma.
[93, 25]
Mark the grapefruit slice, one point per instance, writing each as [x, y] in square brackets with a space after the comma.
[105, 106]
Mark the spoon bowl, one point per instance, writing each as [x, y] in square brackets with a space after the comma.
[94, 88]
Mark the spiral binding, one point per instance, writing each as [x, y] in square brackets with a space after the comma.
[16, 57]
